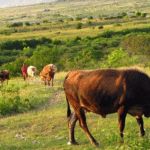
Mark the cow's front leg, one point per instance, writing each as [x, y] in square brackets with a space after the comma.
[48, 82]
[121, 119]
[52, 81]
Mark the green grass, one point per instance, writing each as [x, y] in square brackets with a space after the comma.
[47, 128]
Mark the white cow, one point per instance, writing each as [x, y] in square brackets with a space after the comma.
[31, 71]
[53, 66]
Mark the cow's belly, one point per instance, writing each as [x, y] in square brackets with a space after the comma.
[103, 111]
[136, 111]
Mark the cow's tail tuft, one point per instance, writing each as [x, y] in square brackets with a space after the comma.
[68, 109]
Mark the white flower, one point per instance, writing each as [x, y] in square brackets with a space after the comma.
[17, 136]
[35, 141]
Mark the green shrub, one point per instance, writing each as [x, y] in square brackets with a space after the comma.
[27, 51]
[70, 19]
[89, 22]
[45, 21]
[143, 15]
[117, 25]
[138, 13]
[108, 34]
[60, 20]
[100, 27]
[124, 14]
[113, 43]
[16, 24]
[78, 18]
[45, 40]
[77, 38]
[79, 25]
[11, 103]
[6, 32]
[37, 23]
[6, 59]
[90, 17]
[117, 58]
[9, 45]
[56, 42]
[27, 24]
[137, 44]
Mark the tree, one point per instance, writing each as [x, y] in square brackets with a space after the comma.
[138, 13]
[143, 15]
[78, 18]
[124, 14]
[90, 17]
[27, 23]
[79, 25]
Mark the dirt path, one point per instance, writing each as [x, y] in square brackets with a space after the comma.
[53, 100]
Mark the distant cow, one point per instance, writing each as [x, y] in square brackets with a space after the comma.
[107, 91]
[48, 73]
[4, 75]
[31, 71]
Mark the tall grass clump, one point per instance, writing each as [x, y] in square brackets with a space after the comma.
[11, 102]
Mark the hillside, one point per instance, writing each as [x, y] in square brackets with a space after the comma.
[36, 13]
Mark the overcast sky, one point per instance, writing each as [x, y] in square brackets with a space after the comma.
[10, 3]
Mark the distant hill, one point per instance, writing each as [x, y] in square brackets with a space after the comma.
[53, 10]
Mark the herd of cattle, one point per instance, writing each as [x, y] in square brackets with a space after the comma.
[102, 91]
[46, 74]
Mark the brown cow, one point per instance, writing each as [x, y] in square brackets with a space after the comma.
[4, 75]
[48, 73]
[107, 91]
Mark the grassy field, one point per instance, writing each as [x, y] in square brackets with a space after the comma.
[65, 30]
[47, 128]
[41, 121]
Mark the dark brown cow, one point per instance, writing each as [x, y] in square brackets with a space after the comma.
[107, 91]
[4, 75]
[48, 73]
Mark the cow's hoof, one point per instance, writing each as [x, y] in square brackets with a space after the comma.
[73, 143]
[95, 144]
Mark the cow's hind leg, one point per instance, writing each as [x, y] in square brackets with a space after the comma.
[71, 124]
[140, 122]
[83, 125]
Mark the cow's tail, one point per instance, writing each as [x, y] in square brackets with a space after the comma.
[68, 109]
